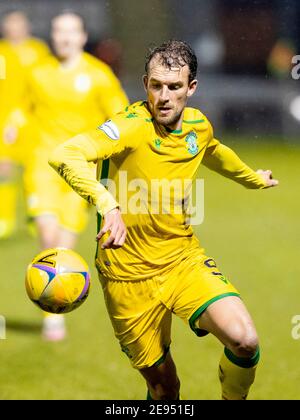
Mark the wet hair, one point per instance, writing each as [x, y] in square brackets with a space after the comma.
[174, 53]
[65, 12]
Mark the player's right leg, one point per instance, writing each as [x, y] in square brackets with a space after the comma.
[162, 380]
[142, 324]
[8, 198]
[48, 230]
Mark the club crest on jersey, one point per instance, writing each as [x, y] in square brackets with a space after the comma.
[191, 142]
[110, 129]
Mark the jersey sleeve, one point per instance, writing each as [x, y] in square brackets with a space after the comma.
[226, 162]
[71, 159]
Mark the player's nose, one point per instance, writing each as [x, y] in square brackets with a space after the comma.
[164, 94]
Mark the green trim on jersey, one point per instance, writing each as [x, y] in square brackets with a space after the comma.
[194, 122]
[173, 131]
[202, 308]
[104, 175]
[132, 115]
[243, 362]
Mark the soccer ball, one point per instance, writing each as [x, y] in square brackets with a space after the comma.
[58, 280]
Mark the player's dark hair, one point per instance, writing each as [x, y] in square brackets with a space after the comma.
[174, 53]
[74, 13]
[11, 11]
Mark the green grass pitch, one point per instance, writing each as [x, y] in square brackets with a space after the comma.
[255, 238]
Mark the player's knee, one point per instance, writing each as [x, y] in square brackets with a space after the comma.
[48, 241]
[245, 344]
[165, 390]
[48, 232]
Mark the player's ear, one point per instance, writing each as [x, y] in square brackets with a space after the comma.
[192, 87]
[145, 81]
[85, 38]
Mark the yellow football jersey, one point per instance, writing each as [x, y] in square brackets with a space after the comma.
[18, 59]
[144, 157]
[66, 101]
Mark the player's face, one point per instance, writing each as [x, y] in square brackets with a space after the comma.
[168, 91]
[15, 27]
[68, 36]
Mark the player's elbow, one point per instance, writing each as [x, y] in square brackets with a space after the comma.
[56, 160]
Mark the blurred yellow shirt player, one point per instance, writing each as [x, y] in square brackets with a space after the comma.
[65, 101]
[69, 92]
[18, 52]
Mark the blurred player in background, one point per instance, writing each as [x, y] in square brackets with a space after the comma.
[20, 51]
[69, 92]
[161, 269]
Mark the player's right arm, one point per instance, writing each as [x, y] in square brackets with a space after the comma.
[71, 160]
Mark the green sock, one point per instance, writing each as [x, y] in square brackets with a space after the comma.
[149, 396]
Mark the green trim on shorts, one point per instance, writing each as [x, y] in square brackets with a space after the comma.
[243, 362]
[148, 398]
[199, 311]
[162, 358]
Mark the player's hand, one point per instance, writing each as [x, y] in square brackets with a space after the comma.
[113, 222]
[268, 178]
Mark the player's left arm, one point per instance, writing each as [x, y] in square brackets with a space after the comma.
[226, 162]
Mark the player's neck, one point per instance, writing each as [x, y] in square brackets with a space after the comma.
[177, 126]
[70, 63]
[17, 41]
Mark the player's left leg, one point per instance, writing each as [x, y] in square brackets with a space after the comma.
[206, 299]
[229, 320]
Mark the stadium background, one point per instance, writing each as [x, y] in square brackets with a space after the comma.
[247, 91]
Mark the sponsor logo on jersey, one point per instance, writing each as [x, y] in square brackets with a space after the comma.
[110, 129]
[83, 83]
[191, 142]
